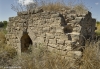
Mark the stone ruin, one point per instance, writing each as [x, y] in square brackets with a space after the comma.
[57, 30]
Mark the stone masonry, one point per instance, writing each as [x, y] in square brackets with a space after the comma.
[60, 30]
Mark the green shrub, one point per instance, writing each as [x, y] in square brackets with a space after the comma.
[97, 32]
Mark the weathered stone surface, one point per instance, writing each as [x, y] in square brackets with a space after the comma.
[39, 40]
[48, 27]
[60, 41]
[52, 45]
[51, 49]
[59, 30]
[49, 35]
[52, 41]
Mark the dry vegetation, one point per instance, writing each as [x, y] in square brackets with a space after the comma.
[60, 4]
[41, 58]
[91, 57]
[55, 5]
[6, 52]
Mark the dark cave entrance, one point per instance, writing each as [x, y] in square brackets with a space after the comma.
[26, 42]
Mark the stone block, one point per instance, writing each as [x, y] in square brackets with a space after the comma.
[23, 20]
[17, 28]
[55, 15]
[30, 24]
[39, 40]
[60, 47]
[50, 35]
[51, 49]
[59, 29]
[13, 36]
[72, 21]
[17, 41]
[77, 29]
[52, 45]
[64, 37]
[58, 35]
[60, 41]
[75, 36]
[46, 29]
[68, 48]
[74, 15]
[58, 19]
[68, 43]
[52, 29]
[52, 41]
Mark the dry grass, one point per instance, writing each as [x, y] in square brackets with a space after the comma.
[91, 57]
[80, 8]
[2, 37]
[6, 52]
[43, 59]
[58, 5]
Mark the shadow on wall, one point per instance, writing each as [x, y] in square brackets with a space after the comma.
[68, 29]
[25, 42]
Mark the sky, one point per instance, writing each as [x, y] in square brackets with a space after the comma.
[6, 11]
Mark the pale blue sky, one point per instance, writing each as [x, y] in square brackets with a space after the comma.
[6, 11]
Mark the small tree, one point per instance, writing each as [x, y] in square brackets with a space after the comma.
[98, 22]
[1, 24]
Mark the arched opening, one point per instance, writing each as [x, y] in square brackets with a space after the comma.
[25, 42]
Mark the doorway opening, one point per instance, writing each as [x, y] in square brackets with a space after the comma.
[26, 42]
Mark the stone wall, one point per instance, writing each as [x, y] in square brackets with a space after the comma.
[61, 30]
